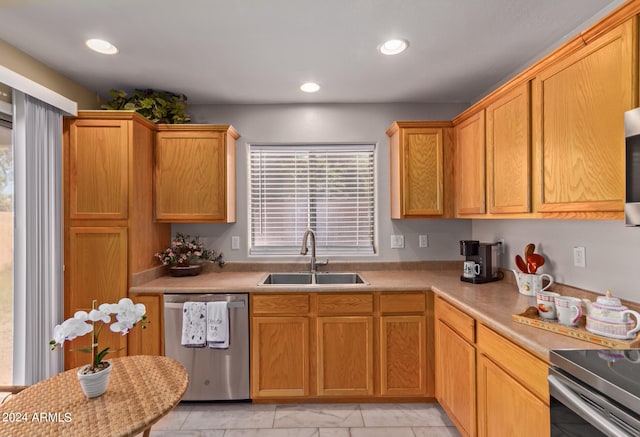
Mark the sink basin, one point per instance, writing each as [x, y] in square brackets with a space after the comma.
[339, 278]
[309, 279]
[287, 279]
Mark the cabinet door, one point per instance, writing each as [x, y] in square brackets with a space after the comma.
[422, 162]
[509, 153]
[98, 168]
[403, 355]
[97, 269]
[507, 408]
[147, 339]
[279, 356]
[456, 378]
[578, 125]
[345, 355]
[190, 176]
[470, 165]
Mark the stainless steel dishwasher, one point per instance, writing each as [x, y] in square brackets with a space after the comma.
[214, 374]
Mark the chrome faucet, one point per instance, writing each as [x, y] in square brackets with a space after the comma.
[303, 249]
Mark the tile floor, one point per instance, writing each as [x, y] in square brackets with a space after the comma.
[304, 420]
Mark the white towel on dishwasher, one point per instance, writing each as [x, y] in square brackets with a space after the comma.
[194, 324]
[217, 325]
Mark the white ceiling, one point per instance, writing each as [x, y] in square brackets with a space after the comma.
[260, 51]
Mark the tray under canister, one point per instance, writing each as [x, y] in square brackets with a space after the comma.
[530, 317]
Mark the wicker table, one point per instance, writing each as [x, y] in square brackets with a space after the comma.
[141, 390]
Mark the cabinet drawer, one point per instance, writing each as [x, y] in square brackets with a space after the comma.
[456, 319]
[360, 303]
[528, 370]
[402, 303]
[280, 304]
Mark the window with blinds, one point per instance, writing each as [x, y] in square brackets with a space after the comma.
[328, 188]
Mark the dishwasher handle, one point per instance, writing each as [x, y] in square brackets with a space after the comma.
[232, 304]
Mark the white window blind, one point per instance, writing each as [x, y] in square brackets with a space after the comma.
[328, 188]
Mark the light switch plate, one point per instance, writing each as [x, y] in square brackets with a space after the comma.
[397, 241]
[579, 257]
[235, 242]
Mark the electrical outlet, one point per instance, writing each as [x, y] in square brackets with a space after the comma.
[423, 240]
[397, 241]
[579, 257]
[235, 242]
[502, 247]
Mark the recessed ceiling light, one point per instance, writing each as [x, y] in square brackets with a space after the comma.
[102, 46]
[310, 87]
[393, 46]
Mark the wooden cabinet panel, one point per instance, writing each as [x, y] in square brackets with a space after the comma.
[455, 376]
[420, 169]
[578, 124]
[460, 322]
[97, 270]
[279, 356]
[509, 152]
[403, 355]
[285, 304]
[344, 303]
[98, 162]
[192, 180]
[403, 302]
[507, 408]
[148, 339]
[470, 164]
[529, 370]
[345, 356]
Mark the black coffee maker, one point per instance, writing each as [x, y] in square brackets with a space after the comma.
[486, 255]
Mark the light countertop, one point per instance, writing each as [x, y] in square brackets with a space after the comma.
[491, 304]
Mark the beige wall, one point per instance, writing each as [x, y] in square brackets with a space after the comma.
[28, 67]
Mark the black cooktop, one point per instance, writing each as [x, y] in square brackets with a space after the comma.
[615, 373]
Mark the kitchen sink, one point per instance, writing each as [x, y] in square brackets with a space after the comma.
[313, 279]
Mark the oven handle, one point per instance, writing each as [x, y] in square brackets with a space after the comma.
[559, 390]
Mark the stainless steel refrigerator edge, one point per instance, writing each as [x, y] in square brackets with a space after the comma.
[214, 374]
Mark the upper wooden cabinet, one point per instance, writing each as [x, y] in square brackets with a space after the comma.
[195, 174]
[98, 160]
[470, 164]
[421, 169]
[509, 152]
[578, 107]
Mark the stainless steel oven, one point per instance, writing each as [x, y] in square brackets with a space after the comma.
[595, 392]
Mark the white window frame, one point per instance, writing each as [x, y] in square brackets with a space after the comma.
[294, 247]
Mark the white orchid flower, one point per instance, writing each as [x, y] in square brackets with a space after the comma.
[99, 315]
[81, 315]
[128, 315]
[70, 329]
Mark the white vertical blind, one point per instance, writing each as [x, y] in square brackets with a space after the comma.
[328, 188]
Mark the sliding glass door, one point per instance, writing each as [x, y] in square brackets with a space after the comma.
[6, 251]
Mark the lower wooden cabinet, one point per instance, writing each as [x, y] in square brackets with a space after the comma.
[488, 385]
[506, 407]
[456, 366]
[279, 357]
[346, 345]
[150, 339]
[345, 356]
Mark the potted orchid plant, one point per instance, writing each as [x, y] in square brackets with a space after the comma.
[126, 315]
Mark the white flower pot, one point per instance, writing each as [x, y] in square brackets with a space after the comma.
[94, 384]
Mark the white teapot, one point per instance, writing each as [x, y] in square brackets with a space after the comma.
[608, 317]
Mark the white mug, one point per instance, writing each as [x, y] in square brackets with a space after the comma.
[529, 284]
[569, 310]
[471, 269]
[546, 304]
